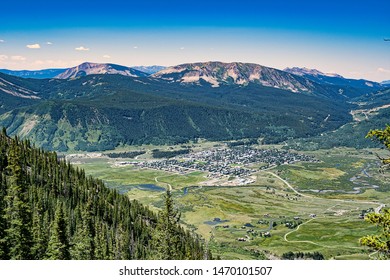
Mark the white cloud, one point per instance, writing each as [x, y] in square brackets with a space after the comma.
[135, 47]
[2, 41]
[382, 70]
[81, 48]
[34, 46]
[182, 48]
[49, 43]
[18, 58]
[3, 57]
[106, 56]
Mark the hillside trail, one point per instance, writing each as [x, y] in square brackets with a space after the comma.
[377, 210]
[311, 242]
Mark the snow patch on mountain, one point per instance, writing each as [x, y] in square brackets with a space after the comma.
[368, 84]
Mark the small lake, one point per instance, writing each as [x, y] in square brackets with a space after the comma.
[145, 187]
[216, 221]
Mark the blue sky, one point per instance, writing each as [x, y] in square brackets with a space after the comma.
[333, 36]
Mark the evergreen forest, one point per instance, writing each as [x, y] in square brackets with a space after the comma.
[52, 210]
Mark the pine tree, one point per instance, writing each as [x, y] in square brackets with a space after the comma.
[17, 212]
[90, 222]
[3, 226]
[380, 242]
[39, 233]
[84, 239]
[382, 136]
[165, 236]
[58, 248]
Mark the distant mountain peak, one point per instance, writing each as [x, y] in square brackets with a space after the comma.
[307, 71]
[90, 68]
[149, 69]
[333, 79]
[218, 73]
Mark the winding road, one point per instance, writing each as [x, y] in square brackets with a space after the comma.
[377, 210]
[169, 185]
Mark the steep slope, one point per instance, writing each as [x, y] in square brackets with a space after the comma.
[88, 68]
[371, 111]
[56, 201]
[8, 86]
[99, 112]
[108, 110]
[14, 94]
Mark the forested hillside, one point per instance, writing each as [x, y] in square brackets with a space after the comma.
[52, 210]
[101, 112]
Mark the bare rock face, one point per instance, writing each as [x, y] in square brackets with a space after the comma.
[219, 73]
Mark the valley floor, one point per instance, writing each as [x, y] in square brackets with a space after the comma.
[278, 202]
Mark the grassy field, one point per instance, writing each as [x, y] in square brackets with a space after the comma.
[223, 215]
[335, 230]
[340, 170]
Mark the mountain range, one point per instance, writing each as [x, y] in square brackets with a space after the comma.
[86, 68]
[86, 109]
[218, 73]
[35, 74]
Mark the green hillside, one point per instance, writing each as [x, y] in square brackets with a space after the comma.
[100, 112]
[372, 111]
[51, 210]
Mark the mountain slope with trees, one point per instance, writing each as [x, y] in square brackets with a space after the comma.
[184, 103]
[100, 112]
[52, 210]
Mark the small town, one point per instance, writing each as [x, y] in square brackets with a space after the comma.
[237, 161]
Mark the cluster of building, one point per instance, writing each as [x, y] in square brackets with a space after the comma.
[226, 161]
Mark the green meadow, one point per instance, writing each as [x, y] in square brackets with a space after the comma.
[233, 220]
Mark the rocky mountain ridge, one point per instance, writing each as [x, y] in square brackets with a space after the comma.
[88, 68]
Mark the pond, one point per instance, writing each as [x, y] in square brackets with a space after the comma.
[216, 221]
[145, 187]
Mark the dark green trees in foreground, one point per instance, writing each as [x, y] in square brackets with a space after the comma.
[58, 247]
[383, 136]
[380, 242]
[168, 241]
[52, 210]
